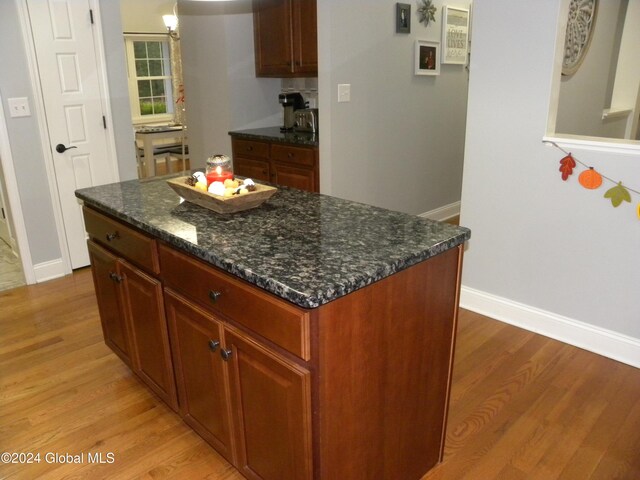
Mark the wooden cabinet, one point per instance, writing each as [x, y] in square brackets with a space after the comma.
[203, 388]
[293, 176]
[256, 169]
[282, 164]
[272, 399]
[143, 308]
[286, 38]
[114, 329]
[357, 388]
[131, 307]
[231, 381]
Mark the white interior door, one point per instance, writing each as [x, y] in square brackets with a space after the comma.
[63, 36]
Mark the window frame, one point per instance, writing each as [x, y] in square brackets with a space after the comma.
[132, 79]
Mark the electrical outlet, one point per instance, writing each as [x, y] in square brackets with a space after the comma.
[19, 107]
[344, 92]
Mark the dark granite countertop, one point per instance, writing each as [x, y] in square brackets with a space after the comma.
[273, 134]
[304, 247]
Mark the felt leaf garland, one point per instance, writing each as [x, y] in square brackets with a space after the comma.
[618, 194]
[591, 179]
[567, 164]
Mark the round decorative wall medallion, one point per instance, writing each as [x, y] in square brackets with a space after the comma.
[580, 25]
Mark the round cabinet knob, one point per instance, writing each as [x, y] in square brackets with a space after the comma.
[213, 345]
[112, 236]
[225, 354]
[115, 277]
[214, 295]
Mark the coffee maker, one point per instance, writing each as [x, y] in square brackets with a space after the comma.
[290, 102]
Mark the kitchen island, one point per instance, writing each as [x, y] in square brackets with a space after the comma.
[311, 337]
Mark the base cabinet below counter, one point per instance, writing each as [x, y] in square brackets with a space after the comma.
[251, 403]
[293, 166]
[133, 321]
[272, 421]
[203, 386]
[355, 389]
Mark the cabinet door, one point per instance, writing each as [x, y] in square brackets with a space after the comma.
[105, 280]
[296, 177]
[144, 312]
[272, 408]
[200, 372]
[305, 37]
[272, 37]
[252, 168]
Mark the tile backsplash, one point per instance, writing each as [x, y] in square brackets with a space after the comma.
[308, 87]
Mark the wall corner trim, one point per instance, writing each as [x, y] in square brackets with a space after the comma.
[443, 213]
[608, 343]
[49, 270]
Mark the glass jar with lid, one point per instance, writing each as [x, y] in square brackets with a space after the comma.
[218, 169]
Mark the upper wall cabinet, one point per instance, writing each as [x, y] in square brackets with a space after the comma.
[286, 38]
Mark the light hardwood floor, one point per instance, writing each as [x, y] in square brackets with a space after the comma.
[522, 406]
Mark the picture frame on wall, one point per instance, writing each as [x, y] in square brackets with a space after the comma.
[403, 18]
[427, 58]
[455, 35]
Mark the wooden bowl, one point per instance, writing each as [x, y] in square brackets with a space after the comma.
[236, 203]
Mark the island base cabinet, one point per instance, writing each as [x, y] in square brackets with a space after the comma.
[386, 373]
[144, 310]
[251, 404]
[203, 392]
[133, 320]
[114, 329]
[272, 411]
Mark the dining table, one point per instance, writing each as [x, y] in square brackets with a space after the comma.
[153, 135]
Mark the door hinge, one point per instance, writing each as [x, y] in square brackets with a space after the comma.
[3, 215]
[91, 15]
[104, 122]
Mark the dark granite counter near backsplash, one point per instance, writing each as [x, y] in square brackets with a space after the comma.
[306, 248]
[273, 134]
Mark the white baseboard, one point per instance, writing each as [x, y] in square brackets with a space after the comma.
[443, 213]
[604, 342]
[49, 270]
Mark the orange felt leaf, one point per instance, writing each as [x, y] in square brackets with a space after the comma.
[567, 164]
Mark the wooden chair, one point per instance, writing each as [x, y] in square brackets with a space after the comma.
[159, 154]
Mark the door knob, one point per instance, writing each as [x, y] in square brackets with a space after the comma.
[60, 148]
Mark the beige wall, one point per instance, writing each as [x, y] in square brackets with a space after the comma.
[145, 16]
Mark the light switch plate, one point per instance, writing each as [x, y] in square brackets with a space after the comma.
[344, 92]
[19, 107]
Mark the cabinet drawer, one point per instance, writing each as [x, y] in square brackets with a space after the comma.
[276, 320]
[130, 244]
[298, 155]
[256, 169]
[250, 147]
